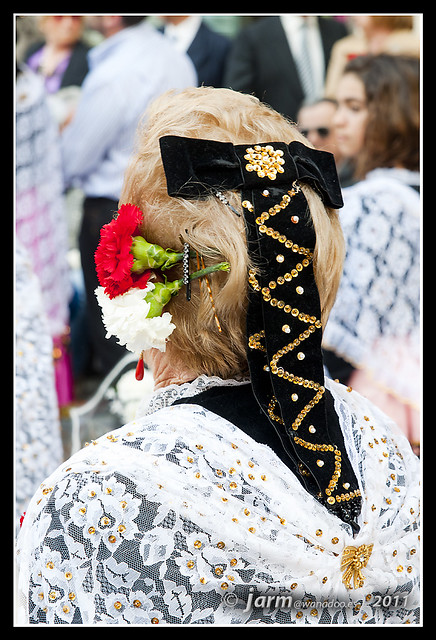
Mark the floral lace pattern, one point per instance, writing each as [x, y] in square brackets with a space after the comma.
[38, 443]
[40, 210]
[375, 321]
[179, 516]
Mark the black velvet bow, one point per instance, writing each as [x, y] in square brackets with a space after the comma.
[195, 167]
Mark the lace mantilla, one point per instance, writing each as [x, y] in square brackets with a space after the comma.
[180, 518]
[38, 442]
[375, 322]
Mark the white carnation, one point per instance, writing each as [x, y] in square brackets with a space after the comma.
[125, 317]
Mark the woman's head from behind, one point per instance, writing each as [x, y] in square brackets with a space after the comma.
[211, 228]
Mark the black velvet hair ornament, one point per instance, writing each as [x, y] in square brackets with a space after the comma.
[284, 317]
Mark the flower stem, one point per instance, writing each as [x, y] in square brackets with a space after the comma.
[162, 292]
[221, 266]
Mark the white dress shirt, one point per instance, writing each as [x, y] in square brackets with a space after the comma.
[292, 26]
[182, 34]
[127, 71]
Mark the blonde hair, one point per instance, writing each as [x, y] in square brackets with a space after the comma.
[393, 23]
[211, 228]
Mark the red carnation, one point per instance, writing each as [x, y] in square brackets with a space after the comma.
[113, 257]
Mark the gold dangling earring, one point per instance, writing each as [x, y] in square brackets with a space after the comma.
[200, 264]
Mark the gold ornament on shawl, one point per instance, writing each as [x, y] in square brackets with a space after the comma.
[352, 562]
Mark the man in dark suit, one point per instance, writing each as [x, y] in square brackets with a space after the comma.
[207, 49]
[265, 59]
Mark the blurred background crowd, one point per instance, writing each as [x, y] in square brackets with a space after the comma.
[82, 84]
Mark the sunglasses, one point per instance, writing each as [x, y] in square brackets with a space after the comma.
[323, 132]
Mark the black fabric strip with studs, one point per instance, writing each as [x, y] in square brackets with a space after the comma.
[284, 328]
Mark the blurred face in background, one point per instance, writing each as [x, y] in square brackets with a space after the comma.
[316, 123]
[106, 25]
[351, 115]
[61, 31]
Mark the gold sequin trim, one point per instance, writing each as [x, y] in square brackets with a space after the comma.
[265, 161]
[255, 341]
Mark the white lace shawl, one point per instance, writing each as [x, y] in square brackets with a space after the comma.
[38, 441]
[375, 322]
[40, 214]
[177, 517]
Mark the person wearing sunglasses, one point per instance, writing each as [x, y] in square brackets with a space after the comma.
[315, 122]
